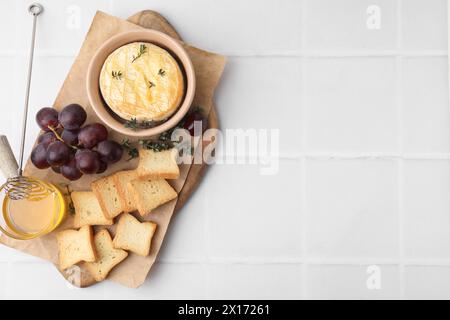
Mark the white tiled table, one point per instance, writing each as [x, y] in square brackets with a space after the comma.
[364, 176]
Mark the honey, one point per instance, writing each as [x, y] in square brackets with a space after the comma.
[26, 219]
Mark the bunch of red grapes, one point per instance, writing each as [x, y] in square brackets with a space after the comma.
[70, 149]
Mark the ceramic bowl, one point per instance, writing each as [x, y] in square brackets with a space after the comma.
[162, 40]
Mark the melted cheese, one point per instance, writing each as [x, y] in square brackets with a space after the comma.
[150, 88]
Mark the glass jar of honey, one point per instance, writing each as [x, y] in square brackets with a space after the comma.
[27, 219]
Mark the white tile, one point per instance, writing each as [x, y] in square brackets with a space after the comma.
[7, 84]
[41, 280]
[185, 238]
[62, 26]
[351, 25]
[351, 104]
[263, 93]
[424, 24]
[270, 281]
[49, 74]
[3, 279]
[48, 77]
[10, 27]
[353, 282]
[427, 207]
[426, 105]
[8, 254]
[427, 282]
[166, 281]
[352, 209]
[238, 27]
[251, 215]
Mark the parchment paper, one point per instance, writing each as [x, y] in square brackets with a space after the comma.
[133, 271]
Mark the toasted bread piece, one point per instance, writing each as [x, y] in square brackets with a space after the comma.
[121, 180]
[133, 235]
[108, 197]
[108, 256]
[150, 194]
[158, 165]
[87, 210]
[75, 246]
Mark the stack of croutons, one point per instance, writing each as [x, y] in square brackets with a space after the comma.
[122, 193]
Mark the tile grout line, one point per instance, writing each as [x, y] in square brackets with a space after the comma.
[351, 261]
[292, 156]
[374, 155]
[303, 157]
[303, 114]
[207, 248]
[400, 161]
[401, 245]
[311, 54]
[206, 290]
[206, 286]
[303, 228]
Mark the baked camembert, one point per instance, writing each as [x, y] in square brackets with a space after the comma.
[142, 81]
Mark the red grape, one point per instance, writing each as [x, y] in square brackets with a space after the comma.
[92, 134]
[72, 116]
[47, 117]
[39, 156]
[191, 119]
[63, 134]
[70, 136]
[87, 161]
[58, 153]
[109, 151]
[47, 138]
[70, 170]
[103, 167]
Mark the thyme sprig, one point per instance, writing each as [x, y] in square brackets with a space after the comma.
[142, 50]
[161, 72]
[135, 125]
[131, 124]
[117, 75]
[164, 141]
[151, 84]
[157, 145]
[132, 151]
[71, 206]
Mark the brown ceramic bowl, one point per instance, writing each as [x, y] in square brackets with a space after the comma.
[160, 39]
